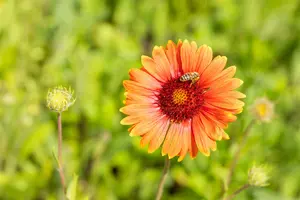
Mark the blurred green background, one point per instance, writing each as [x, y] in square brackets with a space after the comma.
[90, 45]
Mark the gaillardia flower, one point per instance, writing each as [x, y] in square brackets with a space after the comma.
[181, 99]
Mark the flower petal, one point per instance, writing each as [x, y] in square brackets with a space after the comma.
[193, 149]
[188, 56]
[225, 94]
[129, 120]
[133, 86]
[225, 136]
[220, 78]
[228, 85]
[204, 57]
[215, 120]
[144, 78]
[159, 137]
[220, 114]
[213, 70]
[150, 66]
[176, 145]
[139, 109]
[212, 144]
[186, 138]
[201, 138]
[209, 128]
[158, 129]
[171, 54]
[171, 143]
[133, 98]
[162, 63]
[146, 125]
[227, 103]
[178, 56]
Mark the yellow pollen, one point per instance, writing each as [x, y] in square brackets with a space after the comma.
[261, 109]
[180, 96]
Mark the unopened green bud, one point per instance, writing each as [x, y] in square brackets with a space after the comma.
[59, 99]
[259, 175]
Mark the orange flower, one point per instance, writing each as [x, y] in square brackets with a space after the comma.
[183, 114]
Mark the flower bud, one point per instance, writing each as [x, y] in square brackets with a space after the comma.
[259, 175]
[60, 99]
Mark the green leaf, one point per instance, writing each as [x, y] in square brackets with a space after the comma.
[71, 191]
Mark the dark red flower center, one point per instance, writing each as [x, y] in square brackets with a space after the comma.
[180, 100]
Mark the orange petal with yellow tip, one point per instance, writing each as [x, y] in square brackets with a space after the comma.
[132, 98]
[176, 145]
[159, 128]
[212, 144]
[193, 56]
[226, 94]
[188, 55]
[235, 94]
[201, 138]
[178, 52]
[156, 141]
[144, 78]
[219, 114]
[193, 149]
[162, 62]
[214, 119]
[209, 127]
[186, 138]
[227, 73]
[225, 136]
[171, 137]
[136, 108]
[204, 56]
[132, 86]
[217, 111]
[220, 78]
[145, 126]
[130, 128]
[215, 67]
[129, 120]
[229, 84]
[230, 103]
[172, 57]
[150, 66]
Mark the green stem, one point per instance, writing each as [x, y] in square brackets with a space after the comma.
[244, 187]
[59, 154]
[163, 179]
[236, 156]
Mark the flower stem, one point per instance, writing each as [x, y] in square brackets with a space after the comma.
[244, 187]
[163, 179]
[60, 162]
[237, 156]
